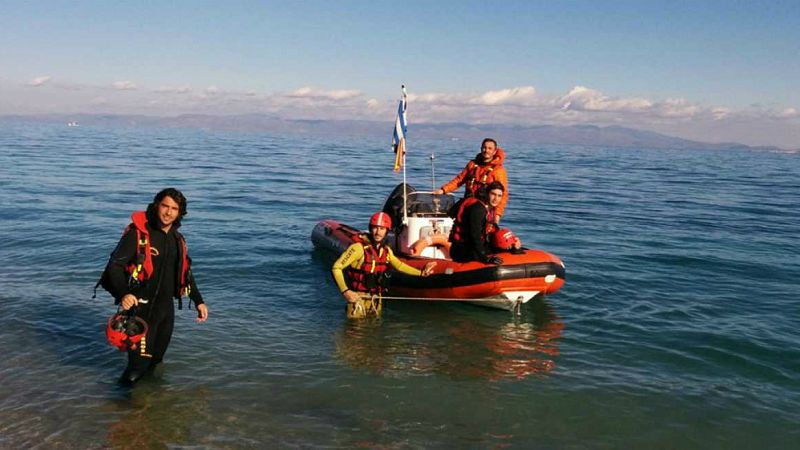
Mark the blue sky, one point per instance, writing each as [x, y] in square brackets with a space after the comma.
[713, 71]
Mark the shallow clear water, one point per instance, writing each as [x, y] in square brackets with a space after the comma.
[677, 325]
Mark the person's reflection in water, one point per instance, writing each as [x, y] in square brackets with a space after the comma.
[360, 344]
[518, 342]
[459, 347]
[157, 418]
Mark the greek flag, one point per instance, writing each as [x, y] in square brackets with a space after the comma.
[399, 136]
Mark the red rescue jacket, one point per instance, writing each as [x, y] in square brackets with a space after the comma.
[475, 175]
[368, 277]
[142, 268]
[458, 235]
[478, 176]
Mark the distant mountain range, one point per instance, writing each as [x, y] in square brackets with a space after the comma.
[588, 135]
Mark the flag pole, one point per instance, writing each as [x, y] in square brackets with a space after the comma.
[405, 185]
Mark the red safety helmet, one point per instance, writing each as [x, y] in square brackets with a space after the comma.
[503, 239]
[125, 332]
[380, 219]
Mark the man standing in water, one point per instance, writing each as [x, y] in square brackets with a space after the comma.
[148, 269]
[365, 263]
[486, 167]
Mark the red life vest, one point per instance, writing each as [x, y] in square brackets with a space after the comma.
[458, 235]
[142, 268]
[478, 177]
[368, 277]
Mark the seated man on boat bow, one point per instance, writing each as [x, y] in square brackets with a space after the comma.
[474, 227]
[365, 263]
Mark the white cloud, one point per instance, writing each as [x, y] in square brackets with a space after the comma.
[208, 93]
[581, 98]
[678, 108]
[174, 89]
[124, 85]
[309, 92]
[720, 113]
[435, 98]
[580, 105]
[519, 105]
[519, 95]
[40, 81]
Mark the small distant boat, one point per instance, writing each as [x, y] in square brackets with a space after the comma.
[72, 124]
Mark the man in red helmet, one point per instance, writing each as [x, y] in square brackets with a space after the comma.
[364, 264]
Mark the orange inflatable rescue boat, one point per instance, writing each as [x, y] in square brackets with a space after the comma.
[420, 236]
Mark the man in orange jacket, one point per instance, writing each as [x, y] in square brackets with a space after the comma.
[481, 171]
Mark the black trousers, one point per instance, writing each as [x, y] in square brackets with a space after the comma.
[160, 319]
[461, 253]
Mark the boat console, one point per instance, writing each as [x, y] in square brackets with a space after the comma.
[427, 223]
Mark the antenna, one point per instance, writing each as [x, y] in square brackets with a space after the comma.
[433, 172]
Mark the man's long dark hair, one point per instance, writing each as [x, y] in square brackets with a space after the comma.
[174, 194]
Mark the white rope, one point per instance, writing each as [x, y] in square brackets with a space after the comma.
[444, 299]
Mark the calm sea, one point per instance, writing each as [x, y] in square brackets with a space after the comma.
[677, 326]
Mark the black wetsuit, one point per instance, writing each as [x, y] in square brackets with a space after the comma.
[160, 290]
[475, 245]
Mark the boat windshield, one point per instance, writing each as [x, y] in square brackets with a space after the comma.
[428, 204]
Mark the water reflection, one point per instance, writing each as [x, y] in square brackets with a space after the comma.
[456, 343]
[155, 416]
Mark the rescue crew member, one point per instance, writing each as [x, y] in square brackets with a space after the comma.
[148, 268]
[474, 225]
[364, 263]
[485, 168]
